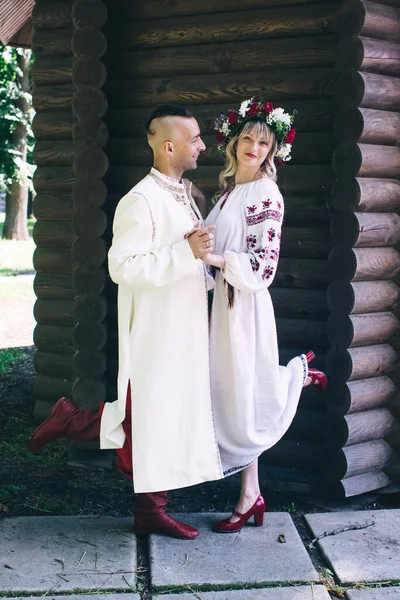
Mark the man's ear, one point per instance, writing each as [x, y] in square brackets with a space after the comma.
[168, 147]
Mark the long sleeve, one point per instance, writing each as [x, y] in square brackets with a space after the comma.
[255, 269]
[131, 260]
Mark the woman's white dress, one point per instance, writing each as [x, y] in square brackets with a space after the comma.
[254, 399]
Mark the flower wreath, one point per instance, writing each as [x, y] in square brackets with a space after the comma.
[227, 126]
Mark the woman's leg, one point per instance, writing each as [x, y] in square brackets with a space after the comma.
[249, 491]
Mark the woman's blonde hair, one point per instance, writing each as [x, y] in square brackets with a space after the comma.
[268, 168]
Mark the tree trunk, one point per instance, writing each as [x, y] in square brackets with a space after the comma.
[15, 225]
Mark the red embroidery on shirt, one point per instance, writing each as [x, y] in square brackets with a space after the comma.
[266, 203]
[252, 209]
[254, 264]
[267, 273]
[251, 241]
[271, 234]
[262, 254]
[273, 215]
[274, 254]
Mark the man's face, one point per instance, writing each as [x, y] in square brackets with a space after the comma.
[187, 144]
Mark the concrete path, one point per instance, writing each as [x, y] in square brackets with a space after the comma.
[86, 557]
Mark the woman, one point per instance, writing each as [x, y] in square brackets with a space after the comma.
[254, 398]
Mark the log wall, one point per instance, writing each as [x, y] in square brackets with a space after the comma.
[211, 57]
[365, 263]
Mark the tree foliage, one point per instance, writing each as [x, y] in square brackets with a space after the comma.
[15, 109]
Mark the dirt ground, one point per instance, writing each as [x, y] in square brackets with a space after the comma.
[47, 484]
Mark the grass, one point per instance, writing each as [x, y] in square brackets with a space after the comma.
[16, 257]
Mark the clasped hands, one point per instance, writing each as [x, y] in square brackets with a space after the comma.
[200, 239]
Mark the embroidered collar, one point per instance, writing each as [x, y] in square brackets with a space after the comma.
[171, 184]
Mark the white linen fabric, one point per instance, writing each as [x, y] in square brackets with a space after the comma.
[163, 340]
[254, 398]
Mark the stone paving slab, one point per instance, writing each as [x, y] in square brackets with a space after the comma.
[392, 593]
[110, 596]
[252, 556]
[317, 592]
[370, 554]
[49, 554]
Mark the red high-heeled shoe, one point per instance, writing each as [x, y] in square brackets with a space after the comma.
[310, 355]
[257, 510]
[319, 379]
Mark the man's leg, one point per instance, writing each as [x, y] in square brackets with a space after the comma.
[68, 421]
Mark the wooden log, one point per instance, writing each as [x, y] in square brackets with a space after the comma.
[89, 101]
[90, 162]
[146, 9]
[90, 131]
[89, 191]
[53, 153]
[302, 273]
[88, 279]
[308, 304]
[89, 251]
[363, 264]
[53, 179]
[52, 126]
[367, 126]
[89, 221]
[361, 330]
[89, 392]
[313, 115]
[305, 455]
[371, 19]
[360, 363]
[89, 364]
[52, 260]
[302, 242]
[90, 307]
[365, 229]
[368, 90]
[366, 160]
[53, 234]
[360, 484]
[89, 71]
[53, 97]
[349, 297]
[52, 15]
[52, 42]
[307, 425]
[53, 286]
[360, 427]
[365, 54]
[307, 210]
[366, 194]
[47, 390]
[56, 339]
[52, 208]
[236, 26]
[90, 336]
[301, 331]
[50, 364]
[88, 41]
[235, 57]
[295, 178]
[280, 86]
[89, 13]
[48, 71]
[53, 312]
[361, 395]
[360, 458]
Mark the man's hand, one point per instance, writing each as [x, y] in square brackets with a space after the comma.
[200, 240]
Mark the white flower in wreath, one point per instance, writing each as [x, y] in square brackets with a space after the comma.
[284, 152]
[225, 128]
[278, 114]
[244, 106]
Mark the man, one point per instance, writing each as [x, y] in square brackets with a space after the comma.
[162, 422]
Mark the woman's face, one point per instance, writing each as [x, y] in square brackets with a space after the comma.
[252, 149]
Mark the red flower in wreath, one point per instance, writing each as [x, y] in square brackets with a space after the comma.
[220, 137]
[253, 110]
[291, 134]
[268, 108]
[232, 117]
[280, 162]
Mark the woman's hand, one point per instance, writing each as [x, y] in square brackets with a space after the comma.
[215, 260]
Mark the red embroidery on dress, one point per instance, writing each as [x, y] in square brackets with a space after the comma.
[252, 209]
[251, 241]
[254, 264]
[279, 205]
[267, 273]
[273, 215]
[274, 254]
[228, 193]
[266, 203]
[262, 254]
[271, 234]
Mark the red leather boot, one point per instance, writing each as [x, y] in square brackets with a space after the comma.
[151, 517]
[69, 421]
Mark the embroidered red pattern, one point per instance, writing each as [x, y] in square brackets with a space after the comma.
[271, 234]
[273, 215]
[274, 254]
[251, 241]
[252, 209]
[255, 265]
[267, 273]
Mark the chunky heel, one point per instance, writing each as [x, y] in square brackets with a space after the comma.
[259, 517]
[257, 510]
